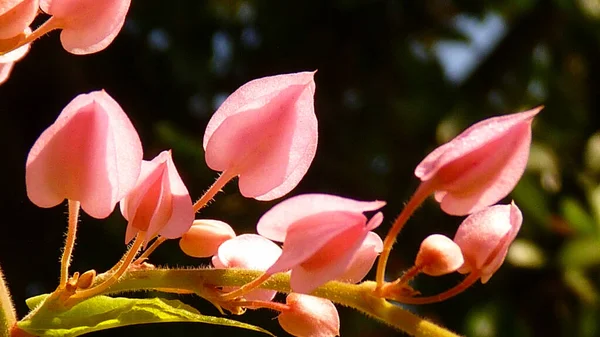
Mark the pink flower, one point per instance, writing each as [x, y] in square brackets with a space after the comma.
[320, 233]
[248, 251]
[159, 204]
[309, 316]
[438, 255]
[363, 259]
[481, 165]
[484, 238]
[204, 237]
[265, 133]
[88, 26]
[16, 16]
[92, 154]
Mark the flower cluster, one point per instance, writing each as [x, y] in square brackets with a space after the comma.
[265, 134]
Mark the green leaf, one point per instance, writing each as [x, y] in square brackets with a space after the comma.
[577, 217]
[103, 312]
[581, 253]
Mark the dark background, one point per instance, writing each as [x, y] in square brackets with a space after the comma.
[395, 79]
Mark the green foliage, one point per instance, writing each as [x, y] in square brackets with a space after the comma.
[103, 312]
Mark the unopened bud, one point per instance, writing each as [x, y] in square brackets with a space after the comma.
[310, 316]
[439, 255]
[484, 238]
[204, 237]
[86, 279]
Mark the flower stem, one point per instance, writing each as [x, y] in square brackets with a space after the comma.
[423, 191]
[280, 307]
[51, 24]
[245, 288]
[459, 288]
[150, 249]
[223, 179]
[203, 282]
[65, 260]
[102, 287]
[8, 317]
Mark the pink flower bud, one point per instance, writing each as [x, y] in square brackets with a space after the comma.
[160, 203]
[310, 316]
[16, 16]
[88, 26]
[439, 255]
[481, 165]
[92, 154]
[484, 238]
[321, 234]
[265, 133]
[248, 251]
[204, 237]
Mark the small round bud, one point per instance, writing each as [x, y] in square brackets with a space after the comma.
[86, 279]
[310, 316]
[204, 237]
[439, 255]
[484, 238]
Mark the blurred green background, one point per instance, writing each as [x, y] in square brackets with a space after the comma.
[395, 79]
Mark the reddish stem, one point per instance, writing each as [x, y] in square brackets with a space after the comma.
[213, 190]
[459, 288]
[422, 192]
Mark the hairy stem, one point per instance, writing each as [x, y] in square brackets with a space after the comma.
[8, 316]
[423, 191]
[65, 260]
[150, 249]
[51, 24]
[223, 179]
[203, 282]
[107, 283]
[459, 288]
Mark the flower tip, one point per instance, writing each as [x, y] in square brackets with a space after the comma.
[310, 316]
[375, 221]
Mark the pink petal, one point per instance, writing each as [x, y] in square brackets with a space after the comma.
[310, 234]
[183, 213]
[328, 263]
[88, 26]
[310, 316]
[16, 16]
[5, 70]
[7, 5]
[481, 165]
[265, 132]
[484, 238]
[248, 251]
[92, 154]
[275, 223]
[363, 259]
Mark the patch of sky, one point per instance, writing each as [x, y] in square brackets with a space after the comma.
[457, 58]
[222, 48]
[158, 39]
